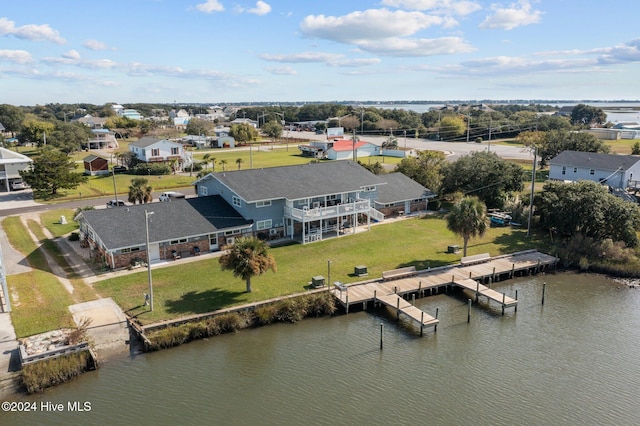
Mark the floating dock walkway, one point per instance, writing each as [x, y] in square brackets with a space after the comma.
[471, 274]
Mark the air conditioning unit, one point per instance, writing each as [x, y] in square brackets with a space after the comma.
[273, 231]
[231, 241]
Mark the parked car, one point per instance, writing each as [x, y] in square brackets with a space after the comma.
[119, 169]
[169, 195]
[115, 203]
[17, 185]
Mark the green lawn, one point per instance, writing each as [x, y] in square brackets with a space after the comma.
[39, 301]
[202, 286]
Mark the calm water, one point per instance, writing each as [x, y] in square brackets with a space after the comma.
[572, 361]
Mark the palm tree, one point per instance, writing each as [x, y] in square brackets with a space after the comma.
[468, 218]
[224, 163]
[139, 191]
[206, 158]
[247, 258]
[239, 161]
[213, 164]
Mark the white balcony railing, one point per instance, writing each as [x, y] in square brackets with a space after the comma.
[330, 212]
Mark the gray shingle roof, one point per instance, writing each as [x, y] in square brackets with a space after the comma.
[593, 160]
[125, 226]
[401, 188]
[145, 142]
[297, 182]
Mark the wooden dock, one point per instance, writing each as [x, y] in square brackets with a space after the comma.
[406, 308]
[434, 280]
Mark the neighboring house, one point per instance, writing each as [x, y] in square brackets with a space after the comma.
[345, 150]
[617, 171]
[339, 149]
[102, 139]
[245, 121]
[401, 195]
[117, 236]
[92, 122]
[154, 150]
[225, 142]
[305, 202]
[200, 142]
[11, 163]
[131, 113]
[95, 165]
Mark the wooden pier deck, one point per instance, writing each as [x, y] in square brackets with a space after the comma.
[426, 281]
[402, 306]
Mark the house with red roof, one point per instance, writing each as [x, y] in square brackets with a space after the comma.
[344, 149]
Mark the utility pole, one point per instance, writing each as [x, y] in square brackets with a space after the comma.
[468, 123]
[533, 184]
[489, 147]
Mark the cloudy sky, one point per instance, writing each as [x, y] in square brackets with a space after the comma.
[219, 51]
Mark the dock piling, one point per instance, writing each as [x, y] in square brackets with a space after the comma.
[477, 290]
[421, 323]
[515, 309]
[543, 288]
[503, 297]
[435, 327]
[469, 311]
[381, 334]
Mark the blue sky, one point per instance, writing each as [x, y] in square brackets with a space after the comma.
[217, 51]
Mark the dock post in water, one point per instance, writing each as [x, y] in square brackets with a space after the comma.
[469, 312]
[421, 323]
[381, 334]
[347, 302]
[398, 310]
[515, 309]
[413, 299]
[477, 290]
[374, 298]
[513, 269]
[435, 327]
[543, 287]
[503, 297]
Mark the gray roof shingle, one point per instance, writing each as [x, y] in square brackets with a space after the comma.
[125, 226]
[593, 160]
[297, 182]
[401, 188]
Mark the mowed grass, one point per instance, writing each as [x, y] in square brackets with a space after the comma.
[39, 301]
[202, 286]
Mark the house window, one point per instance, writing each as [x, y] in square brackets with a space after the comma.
[369, 188]
[181, 240]
[592, 172]
[332, 197]
[234, 232]
[575, 170]
[203, 190]
[564, 170]
[236, 201]
[303, 202]
[129, 249]
[155, 152]
[175, 151]
[263, 224]
[263, 203]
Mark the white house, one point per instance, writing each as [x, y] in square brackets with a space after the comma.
[11, 163]
[346, 149]
[152, 150]
[617, 171]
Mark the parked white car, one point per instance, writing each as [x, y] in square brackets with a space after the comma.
[169, 195]
[17, 185]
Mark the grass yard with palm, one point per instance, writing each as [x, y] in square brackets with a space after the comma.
[202, 286]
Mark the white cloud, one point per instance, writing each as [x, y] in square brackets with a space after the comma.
[72, 54]
[95, 45]
[355, 63]
[516, 15]
[285, 70]
[262, 8]
[303, 57]
[438, 6]
[30, 32]
[16, 56]
[372, 24]
[417, 47]
[210, 6]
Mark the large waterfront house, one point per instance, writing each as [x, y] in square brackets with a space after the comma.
[11, 163]
[616, 171]
[313, 201]
[339, 149]
[117, 236]
[153, 150]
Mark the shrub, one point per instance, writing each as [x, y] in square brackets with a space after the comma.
[74, 236]
[43, 374]
[150, 169]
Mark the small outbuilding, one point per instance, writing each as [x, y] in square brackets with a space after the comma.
[95, 165]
